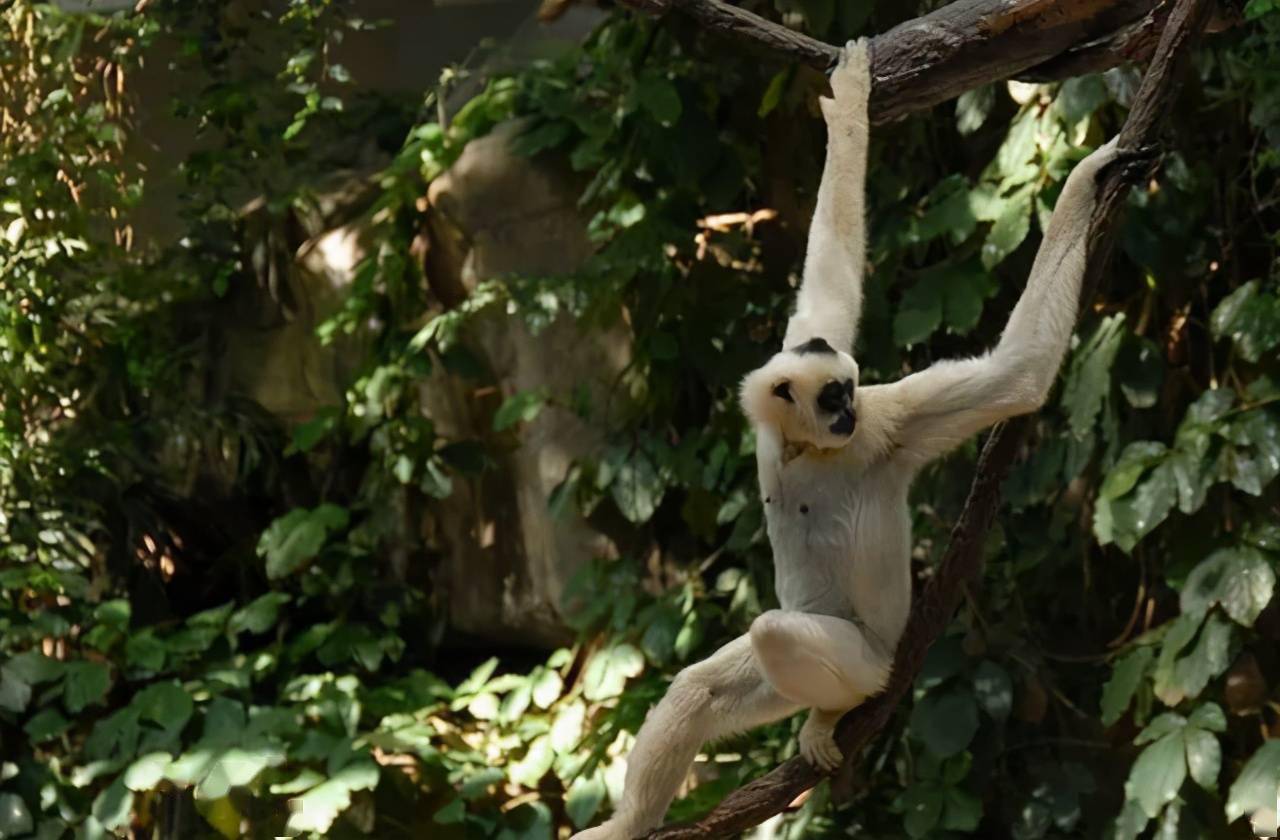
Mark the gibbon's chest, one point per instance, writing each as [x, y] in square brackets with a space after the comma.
[813, 504]
[840, 534]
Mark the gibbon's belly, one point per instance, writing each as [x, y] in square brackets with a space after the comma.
[844, 553]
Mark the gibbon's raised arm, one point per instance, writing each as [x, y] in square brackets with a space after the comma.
[830, 299]
[952, 400]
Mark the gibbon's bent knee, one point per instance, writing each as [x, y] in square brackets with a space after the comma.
[771, 638]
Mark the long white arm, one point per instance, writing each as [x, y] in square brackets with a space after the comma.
[830, 299]
[947, 403]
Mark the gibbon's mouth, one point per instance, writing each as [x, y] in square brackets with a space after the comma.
[845, 423]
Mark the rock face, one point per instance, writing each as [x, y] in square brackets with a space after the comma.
[273, 355]
[505, 559]
[508, 558]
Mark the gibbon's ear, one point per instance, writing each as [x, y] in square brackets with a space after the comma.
[783, 391]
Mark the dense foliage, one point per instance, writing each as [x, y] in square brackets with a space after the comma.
[201, 633]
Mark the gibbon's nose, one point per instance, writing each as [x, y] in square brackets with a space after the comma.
[845, 423]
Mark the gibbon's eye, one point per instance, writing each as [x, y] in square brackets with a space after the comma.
[783, 391]
[832, 397]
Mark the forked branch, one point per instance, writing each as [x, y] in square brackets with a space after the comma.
[962, 562]
[960, 46]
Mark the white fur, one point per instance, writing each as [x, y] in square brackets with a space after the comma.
[836, 505]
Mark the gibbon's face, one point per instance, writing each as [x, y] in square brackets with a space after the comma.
[807, 393]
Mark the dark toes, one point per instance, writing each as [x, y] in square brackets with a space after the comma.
[1134, 165]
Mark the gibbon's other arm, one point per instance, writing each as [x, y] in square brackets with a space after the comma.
[948, 402]
[830, 298]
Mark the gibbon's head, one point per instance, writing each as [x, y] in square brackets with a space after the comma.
[806, 393]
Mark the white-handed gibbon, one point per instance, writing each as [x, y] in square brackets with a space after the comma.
[835, 462]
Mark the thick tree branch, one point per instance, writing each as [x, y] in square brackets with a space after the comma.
[962, 563]
[964, 45]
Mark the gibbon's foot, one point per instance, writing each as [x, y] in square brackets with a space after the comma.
[1135, 165]
[818, 742]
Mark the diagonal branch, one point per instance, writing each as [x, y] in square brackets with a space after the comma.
[962, 563]
[960, 46]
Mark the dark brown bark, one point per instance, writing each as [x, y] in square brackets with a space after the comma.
[962, 562]
[961, 46]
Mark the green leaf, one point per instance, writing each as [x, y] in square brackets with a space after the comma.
[1257, 8]
[637, 488]
[1118, 692]
[147, 772]
[236, 767]
[308, 434]
[1158, 774]
[1240, 579]
[1209, 716]
[547, 686]
[945, 721]
[1136, 459]
[519, 408]
[316, 809]
[15, 818]
[923, 807]
[962, 811]
[1011, 227]
[1204, 757]
[114, 613]
[1257, 785]
[145, 652]
[15, 694]
[1131, 822]
[305, 780]
[451, 814]
[919, 314]
[773, 92]
[85, 683]
[297, 537]
[1088, 380]
[993, 690]
[566, 729]
[113, 806]
[1251, 319]
[166, 704]
[609, 669]
[535, 763]
[479, 783]
[34, 667]
[949, 212]
[1128, 519]
[530, 821]
[660, 98]
[1162, 725]
[1079, 97]
[259, 615]
[1177, 679]
[583, 798]
[46, 724]
[1140, 370]
[973, 107]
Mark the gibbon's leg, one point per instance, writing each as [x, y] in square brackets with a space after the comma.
[721, 695]
[830, 299]
[825, 663]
